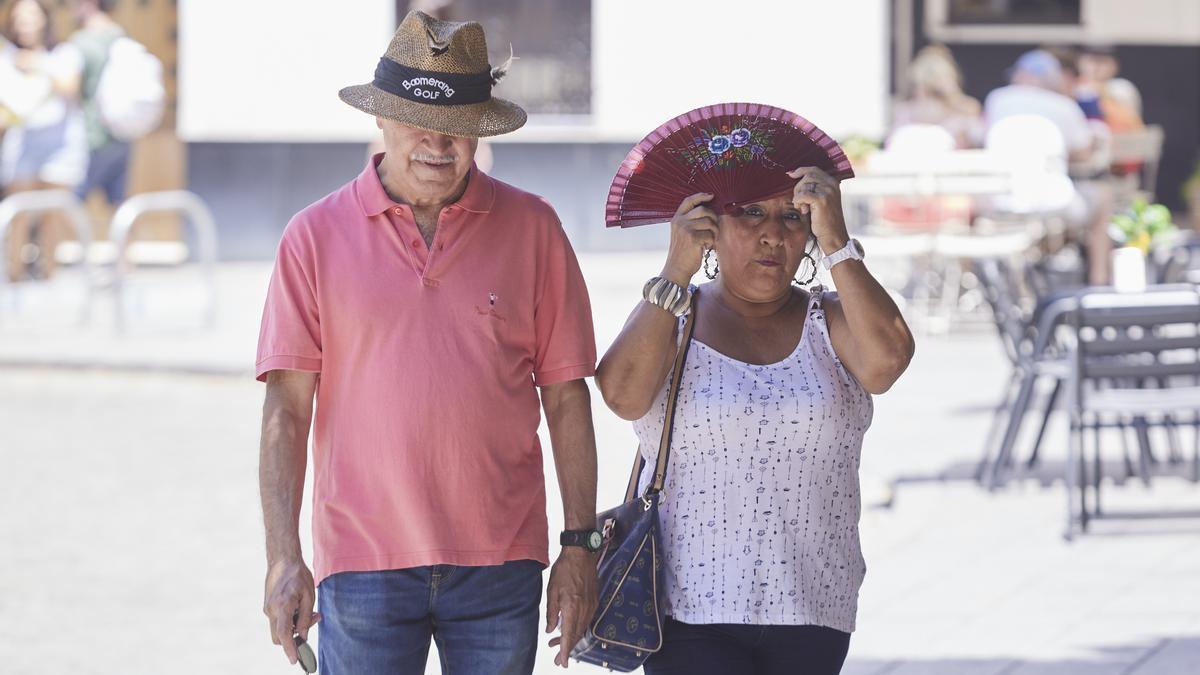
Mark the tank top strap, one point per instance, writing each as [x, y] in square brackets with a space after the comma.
[814, 297]
[681, 321]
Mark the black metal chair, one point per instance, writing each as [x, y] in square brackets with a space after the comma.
[1180, 263]
[1135, 359]
[1034, 356]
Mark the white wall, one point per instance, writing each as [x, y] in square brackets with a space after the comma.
[270, 70]
[827, 61]
[1149, 22]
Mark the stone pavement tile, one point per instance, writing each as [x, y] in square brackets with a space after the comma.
[1177, 656]
[1162, 592]
[138, 506]
[1068, 667]
[903, 636]
[952, 592]
[164, 331]
[1128, 639]
[867, 667]
[953, 666]
[1105, 643]
[1011, 637]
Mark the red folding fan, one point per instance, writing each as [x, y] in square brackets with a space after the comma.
[740, 152]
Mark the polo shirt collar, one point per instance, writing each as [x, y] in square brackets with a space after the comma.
[374, 200]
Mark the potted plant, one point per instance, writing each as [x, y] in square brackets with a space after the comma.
[1135, 232]
[858, 149]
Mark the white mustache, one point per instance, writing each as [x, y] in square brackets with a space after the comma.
[432, 159]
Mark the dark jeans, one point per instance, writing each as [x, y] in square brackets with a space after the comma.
[108, 169]
[484, 619]
[712, 649]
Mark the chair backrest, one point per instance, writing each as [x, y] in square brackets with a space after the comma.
[1127, 339]
[1058, 274]
[1000, 288]
[1180, 264]
[1027, 135]
[1039, 155]
[1143, 145]
[920, 139]
[1142, 149]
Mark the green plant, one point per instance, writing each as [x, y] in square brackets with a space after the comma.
[1141, 224]
[1191, 186]
[858, 147]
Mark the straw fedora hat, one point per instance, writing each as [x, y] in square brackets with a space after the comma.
[436, 76]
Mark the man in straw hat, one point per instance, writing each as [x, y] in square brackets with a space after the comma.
[424, 304]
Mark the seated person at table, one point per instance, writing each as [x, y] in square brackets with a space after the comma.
[1037, 86]
[935, 96]
[1119, 100]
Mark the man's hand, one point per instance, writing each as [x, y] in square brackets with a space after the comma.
[572, 593]
[288, 603]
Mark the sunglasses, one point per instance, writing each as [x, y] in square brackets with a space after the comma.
[307, 659]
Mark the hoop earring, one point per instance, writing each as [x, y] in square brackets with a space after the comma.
[812, 275]
[716, 266]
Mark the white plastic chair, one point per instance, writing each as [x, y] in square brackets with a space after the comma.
[1038, 153]
[920, 139]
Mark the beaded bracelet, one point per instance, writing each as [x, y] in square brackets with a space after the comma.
[668, 295]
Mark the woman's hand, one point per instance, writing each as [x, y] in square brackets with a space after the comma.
[693, 230]
[817, 194]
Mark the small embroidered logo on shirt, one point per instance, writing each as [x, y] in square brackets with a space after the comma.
[491, 309]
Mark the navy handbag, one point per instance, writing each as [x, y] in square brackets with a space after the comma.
[627, 626]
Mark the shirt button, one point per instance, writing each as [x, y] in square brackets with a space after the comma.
[416, 243]
[398, 211]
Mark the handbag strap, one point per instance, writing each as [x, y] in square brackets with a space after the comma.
[664, 444]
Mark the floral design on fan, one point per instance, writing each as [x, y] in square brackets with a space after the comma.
[739, 144]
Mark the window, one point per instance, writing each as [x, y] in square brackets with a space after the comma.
[552, 40]
[1014, 12]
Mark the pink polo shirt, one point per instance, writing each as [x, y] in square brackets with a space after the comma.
[425, 447]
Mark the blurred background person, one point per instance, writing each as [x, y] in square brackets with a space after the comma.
[1037, 86]
[1037, 89]
[108, 166]
[935, 96]
[45, 145]
[935, 115]
[1078, 87]
[1119, 100]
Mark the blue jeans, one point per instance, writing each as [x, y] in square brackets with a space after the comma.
[718, 649]
[484, 619]
[108, 169]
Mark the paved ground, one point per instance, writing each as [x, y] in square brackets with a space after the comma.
[130, 539]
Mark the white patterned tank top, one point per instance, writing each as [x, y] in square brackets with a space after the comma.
[761, 505]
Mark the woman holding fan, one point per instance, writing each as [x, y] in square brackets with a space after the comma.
[759, 514]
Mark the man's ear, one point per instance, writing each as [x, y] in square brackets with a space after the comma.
[379, 122]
